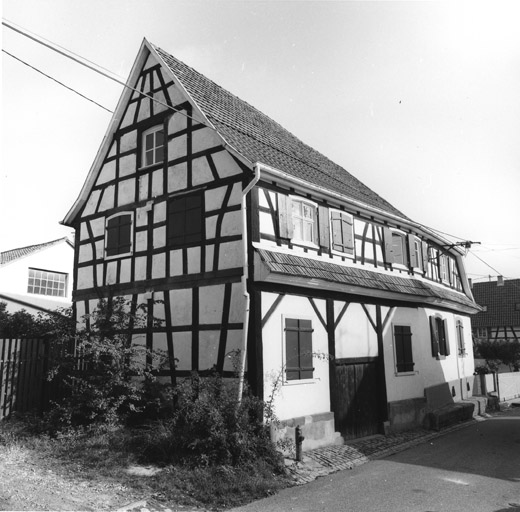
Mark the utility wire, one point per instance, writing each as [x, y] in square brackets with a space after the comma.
[91, 67]
[57, 81]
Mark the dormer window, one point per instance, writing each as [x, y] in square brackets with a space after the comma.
[153, 145]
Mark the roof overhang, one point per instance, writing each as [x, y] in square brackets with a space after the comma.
[301, 271]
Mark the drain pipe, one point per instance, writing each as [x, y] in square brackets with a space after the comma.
[245, 274]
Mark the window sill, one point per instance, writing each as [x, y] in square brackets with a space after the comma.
[300, 382]
[117, 256]
[304, 243]
[440, 357]
[405, 374]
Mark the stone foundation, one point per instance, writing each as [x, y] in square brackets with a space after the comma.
[317, 429]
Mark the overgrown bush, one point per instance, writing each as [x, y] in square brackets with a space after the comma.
[210, 427]
[105, 377]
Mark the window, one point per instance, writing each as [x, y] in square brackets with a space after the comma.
[395, 247]
[298, 349]
[403, 348]
[185, 222]
[118, 238]
[43, 282]
[342, 225]
[153, 146]
[459, 327]
[443, 267]
[304, 221]
[439, 339]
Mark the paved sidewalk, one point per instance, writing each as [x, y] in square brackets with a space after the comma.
[323, 461]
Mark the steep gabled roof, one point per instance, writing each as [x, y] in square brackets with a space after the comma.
[500, 302]
[15, 254]
[260, 139]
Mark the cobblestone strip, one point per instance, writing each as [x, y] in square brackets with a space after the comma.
[327, 460]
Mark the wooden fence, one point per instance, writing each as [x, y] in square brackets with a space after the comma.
[23, 376]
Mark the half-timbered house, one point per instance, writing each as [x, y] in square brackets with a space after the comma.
[242, 238]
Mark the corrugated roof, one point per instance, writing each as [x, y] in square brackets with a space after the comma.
[14, 254]
[300, 266]
[260, 139]
[500, 302]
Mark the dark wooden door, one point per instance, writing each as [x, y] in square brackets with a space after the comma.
[355, 399]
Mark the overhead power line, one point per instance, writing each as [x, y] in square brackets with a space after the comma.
[96, 68]
[57, 81]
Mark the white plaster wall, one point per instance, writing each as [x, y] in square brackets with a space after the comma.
[305, 397]
[428, 370]
[355, 336]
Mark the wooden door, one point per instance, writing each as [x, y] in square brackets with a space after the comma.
[355, 397]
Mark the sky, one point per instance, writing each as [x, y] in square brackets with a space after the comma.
[419, 100]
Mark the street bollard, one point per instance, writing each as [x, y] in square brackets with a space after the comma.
[298, 441]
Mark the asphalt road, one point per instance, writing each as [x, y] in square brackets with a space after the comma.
[475, 469]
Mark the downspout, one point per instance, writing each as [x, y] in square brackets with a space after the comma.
[245, 275]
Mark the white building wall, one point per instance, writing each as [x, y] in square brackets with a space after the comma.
[305, 397]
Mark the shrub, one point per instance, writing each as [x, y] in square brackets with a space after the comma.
[106, 378]
[209, 427]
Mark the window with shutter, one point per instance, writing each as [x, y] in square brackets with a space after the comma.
[303, 216]
[118, 235]
[298, 349]
[342, 228]
[439, 337]
[185, 224]
[403, 349]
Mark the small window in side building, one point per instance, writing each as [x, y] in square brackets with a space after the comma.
[153, 146]
[298, 349]
[44, 282]
[118, 237]
[342, 227]
[403, 348]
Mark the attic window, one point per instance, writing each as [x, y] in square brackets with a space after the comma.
[153, 145]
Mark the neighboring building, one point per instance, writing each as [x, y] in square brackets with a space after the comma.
[500, 315]
[37, 278]
[352, 314]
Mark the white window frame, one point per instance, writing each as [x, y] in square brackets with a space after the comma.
[149, 131]
[403, 235]
[132, 233]
[300, 241]
[351, 255]
[296, 382]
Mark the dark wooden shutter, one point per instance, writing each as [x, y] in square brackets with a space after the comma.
[337, 239]
[446, 340]
[434, 337]
[324, 226]
[403, 348]
[285, 216]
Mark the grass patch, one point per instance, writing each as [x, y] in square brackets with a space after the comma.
[106, 455]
